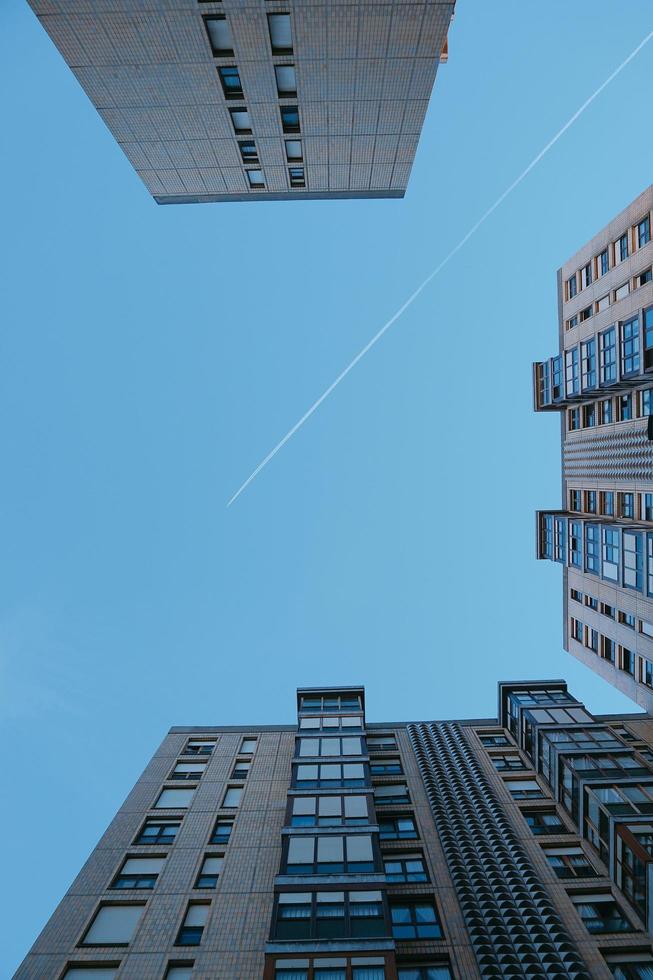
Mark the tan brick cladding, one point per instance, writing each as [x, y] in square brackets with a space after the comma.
[364, 71]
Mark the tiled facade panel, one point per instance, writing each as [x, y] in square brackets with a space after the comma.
[362, 69]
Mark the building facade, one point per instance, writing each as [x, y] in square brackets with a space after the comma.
[222, 100]
[339, 849]
[601, 384]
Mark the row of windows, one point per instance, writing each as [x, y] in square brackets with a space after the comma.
[221, 41]
[621, 556]
[612, 255]
[141, 873]
[621, 408]
[330, 702]
[614, 296]
[205, 746]
[625, 504]
[603, 646]
[621, 351]
[372, 968]
[611, 612]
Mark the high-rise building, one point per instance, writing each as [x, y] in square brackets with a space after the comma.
[601, 383]
[339, 849]
[226, 100]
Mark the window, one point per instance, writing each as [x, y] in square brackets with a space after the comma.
[331, 702]
[627, 661]
[139, 872]
[248, 151]
[231, 83]
[289, 119]
[329, 811]
[188, 770]
[433, 972]
[556, 377]
[233, 796]
[590, 501]
[577, 630]
[381, 743]
[193, 925]
[575, 544]
[601, 914]
[174, 799]
[572, 321]
[588, 364]
[603, 303]
[222, 831]
[647, 402]
[390, 767]
[625, 407]
[523, 789]
[633, 562]
[507, 763]
[608, 356]
[329, 915]
[621, 249]
[248, 746]
[602, 263]
[314, 747]
[294, 150]
[607, 503]
[113, 925]
[544, 822]
[255, 178]
[405, 868]
[575, 500]
[210, 871]
[626, 505]
[397, 828]
[586, 276]
[646, 672]
[179, 971]
[631, 966]
[643, 277]
[630, 346]
[575, 595]
[605, 412]
[591, 639]
[241, 769]
[330, 775]
[158, 832]
[569, 862]
[199, 746]
[415, 920]
[544, 383]
[573, 419]
[572, 372]
[592, 549]
[75, 972]
[286, 81]
[644, 231]
[648, 337]
[608, 648]
[396, 794]
[621, 291]
[490, 741]
[296, 177]
[219, 34]
[611, 554]
[280, 33]
[572, 286]
[330, 854]
[586, 313]
[589, 415]
[240, 120]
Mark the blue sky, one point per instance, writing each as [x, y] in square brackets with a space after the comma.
[150, 357]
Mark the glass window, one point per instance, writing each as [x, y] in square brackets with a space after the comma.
[158, 832]
[210, 872]
[544, 822]
[601, 914]
[647, 402]
[586, 276]
[592, 549]
[405, 868]
[233, 796]
[425, 973]
[415, 920]
[648, 337]
[397, 828]
[633, 561]
[231, 84]
[610, 568]
[280, 33]
[575, 544]
[248, 151]
[607, 503]
[588, 364]
[248, 746]
[574, 419]
[219, 34]
[397, 793]
[523, 789]
[602, 262]
[556, 377]
[199, 746]
[621, 248]
[179, 972]
[608, 356]
[222, 831]
[240, 120]
[630, 346]
[624, 967]
[622, 291]
[139, 872]
[255, 178]
[188, 770]
[290, 119]
[113, 925]
[286, 81]
[330, 855]
[572, 372]
[294, 150]
[644, 231]
[572, 286]
[575, 500]
[174, 799]
[193, 925]
[569, 862]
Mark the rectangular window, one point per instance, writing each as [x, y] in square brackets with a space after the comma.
[572, 321]
[601, 914]
[290, 119]
[222, 831]
[139, 872]
[286, 81]
[210, 871]
[174, 799]
[608, 648]
[241, 769]
[643, 277]
[543, 822]
[575, 544]
[248, 151]
[610, 569]
[590, 501]
[589, 415]
[396, 794]
[312, 747]
[572, 286]
[627, 661]
[603, 303]
[397, 828]
[605, 411]
[388, 767]
[294, 151]
[622, 291]
[633, 561]
[569, 862]
[646, 402]
[113, 925]
[592, 549]
[573, 419]
[577, 630]
[586, 276]
[199, 746]
[572, 372]
[507, 763]
[280, 33]
[415, 920]
[296, 177]
[626, 505]
[575, 500]
[602, 263]
[630, 346]
[219, 34]
[330, 775]
[405, 868]
[644, 231]
[648, 337]
[556, 377]
[606, 499]
[523, 789]
[193, 925]
[329, 811]
[240, 120]
[188, 770]
[381, 743]
[586, 313]
[230, 81]
[627, 619]
[621, 249]
[232, 797]
[330, 855]
[255, 178]
[608, 356]
[588, 364]
[158, 832]
[248, 746]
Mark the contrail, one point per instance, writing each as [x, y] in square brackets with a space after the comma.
[413, 296]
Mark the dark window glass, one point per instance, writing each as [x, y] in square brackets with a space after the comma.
[159, 832]
[603, 917]
[630, 346]
[290, 119]
[231, 84]
[415, 920]
[545, 822]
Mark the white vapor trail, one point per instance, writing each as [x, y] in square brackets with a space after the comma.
[413, 296]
